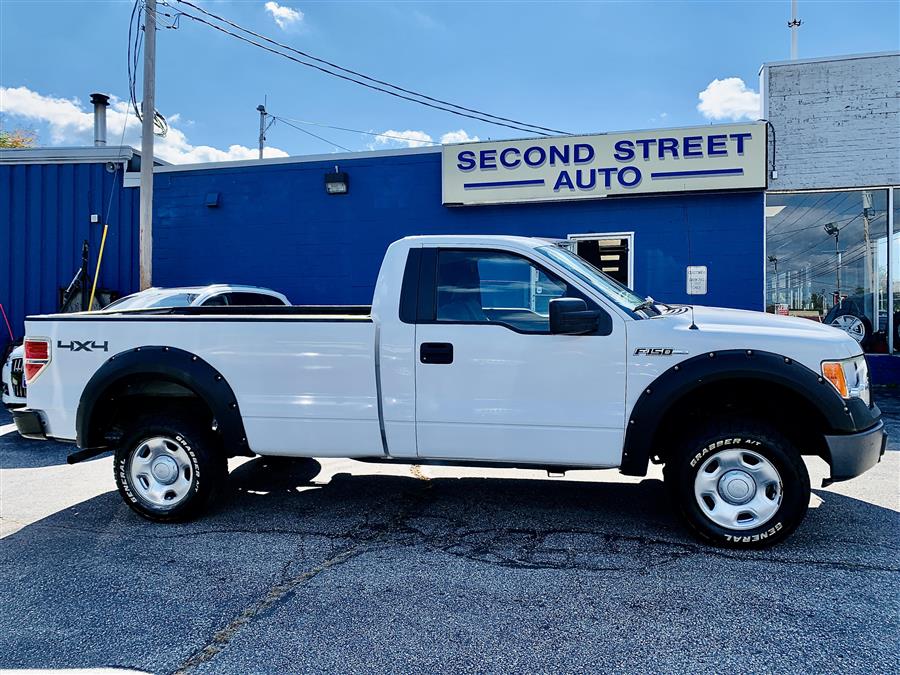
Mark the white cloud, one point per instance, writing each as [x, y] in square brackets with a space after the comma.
[285, 17]
[458, 136]
[408, 138]
[69, 124]
[729, 99]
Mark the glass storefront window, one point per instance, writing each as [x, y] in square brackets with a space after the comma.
[827, 260]
[895, 269]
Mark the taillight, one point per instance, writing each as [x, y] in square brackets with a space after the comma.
[37, 357]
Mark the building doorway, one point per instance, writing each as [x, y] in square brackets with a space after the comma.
[610, 253]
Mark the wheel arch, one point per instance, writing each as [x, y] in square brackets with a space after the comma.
[157, 373]
[762, 381]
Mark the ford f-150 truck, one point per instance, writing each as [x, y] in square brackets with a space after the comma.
[507, 351]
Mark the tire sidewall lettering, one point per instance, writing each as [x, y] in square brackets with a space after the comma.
[122, 469]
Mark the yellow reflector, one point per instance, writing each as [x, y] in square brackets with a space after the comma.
[834, 373]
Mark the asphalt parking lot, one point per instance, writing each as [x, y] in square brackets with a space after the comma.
[412, 569]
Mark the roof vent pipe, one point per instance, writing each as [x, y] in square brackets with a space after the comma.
[100, 102]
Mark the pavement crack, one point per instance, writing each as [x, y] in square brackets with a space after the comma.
[364, 539]
[275, 594]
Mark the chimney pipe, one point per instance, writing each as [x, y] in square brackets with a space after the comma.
[100, 102]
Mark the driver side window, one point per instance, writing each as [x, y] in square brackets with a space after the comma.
[482, 286]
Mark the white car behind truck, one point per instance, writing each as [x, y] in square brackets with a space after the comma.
[476, 349]
[12, 382]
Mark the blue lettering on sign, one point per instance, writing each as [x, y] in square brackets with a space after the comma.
[668, 145]
[739, 139]
[563, 180]
[507, 163]
[584, 185]
[465, 160]
[645, 143]
[488, 159]
[715, 145]
[607, 175]
[624, 151]
[635, 176]
[584, 153]
[557, 154]
[541, 156]
[693, 146]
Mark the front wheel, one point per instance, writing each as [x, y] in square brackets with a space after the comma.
[168, 468]
[739, 484]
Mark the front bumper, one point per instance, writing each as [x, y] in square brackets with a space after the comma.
[853, 454]
[30, 424]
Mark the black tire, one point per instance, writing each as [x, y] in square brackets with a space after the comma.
[752, 440]
[203, 471]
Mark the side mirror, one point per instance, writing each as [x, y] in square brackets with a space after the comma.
[570, 316]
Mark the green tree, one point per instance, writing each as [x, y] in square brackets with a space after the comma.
[17, 138]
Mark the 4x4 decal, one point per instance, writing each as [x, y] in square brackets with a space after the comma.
[84, 346]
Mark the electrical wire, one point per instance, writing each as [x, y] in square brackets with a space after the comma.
[478, 115]
[359, 74]
[309, 133]
[360, 131]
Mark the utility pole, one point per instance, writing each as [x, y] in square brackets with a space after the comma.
[794, 25]
[262, 128]
[148, 114]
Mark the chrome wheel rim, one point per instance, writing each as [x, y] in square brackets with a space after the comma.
[850, 325]
[738, 489]
[160, 472]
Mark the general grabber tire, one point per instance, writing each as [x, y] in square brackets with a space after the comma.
[739, 483]
[169, 468]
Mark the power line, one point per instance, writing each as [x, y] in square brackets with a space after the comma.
[309, 133]
[471, 112]
[360, 131]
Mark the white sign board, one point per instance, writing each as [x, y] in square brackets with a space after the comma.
[696, 280]
[716, 157]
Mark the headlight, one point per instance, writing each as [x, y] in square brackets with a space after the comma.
[850, 377]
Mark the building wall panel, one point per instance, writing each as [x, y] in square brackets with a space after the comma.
[836, 122]
[275, 226]
[45, 214]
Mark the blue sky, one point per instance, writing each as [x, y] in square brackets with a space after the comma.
[578, 67]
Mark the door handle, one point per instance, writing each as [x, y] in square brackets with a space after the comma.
[436, 352]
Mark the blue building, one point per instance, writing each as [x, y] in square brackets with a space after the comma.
[51, 201]
[274, 223]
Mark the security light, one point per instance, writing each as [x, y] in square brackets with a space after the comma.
[337, 183]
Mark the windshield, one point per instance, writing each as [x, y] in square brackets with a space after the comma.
[581, 268]
[145, 300]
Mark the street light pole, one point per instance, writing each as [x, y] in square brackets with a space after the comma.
[774, 261]
[834, 231]
[148, 114]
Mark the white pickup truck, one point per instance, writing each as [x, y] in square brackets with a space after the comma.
[506, 351]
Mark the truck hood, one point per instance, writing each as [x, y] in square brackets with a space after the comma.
[719, 328]
[718, 318]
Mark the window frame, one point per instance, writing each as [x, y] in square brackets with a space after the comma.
[427, 288]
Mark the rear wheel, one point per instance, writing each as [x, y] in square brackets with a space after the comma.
[169, 468]
[739, 484]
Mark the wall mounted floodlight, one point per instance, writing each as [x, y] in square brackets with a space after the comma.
[337, 183]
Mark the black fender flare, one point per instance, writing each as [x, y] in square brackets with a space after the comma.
[842, 416]
[173, 365]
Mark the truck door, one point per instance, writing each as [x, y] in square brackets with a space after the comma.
[493, 384]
